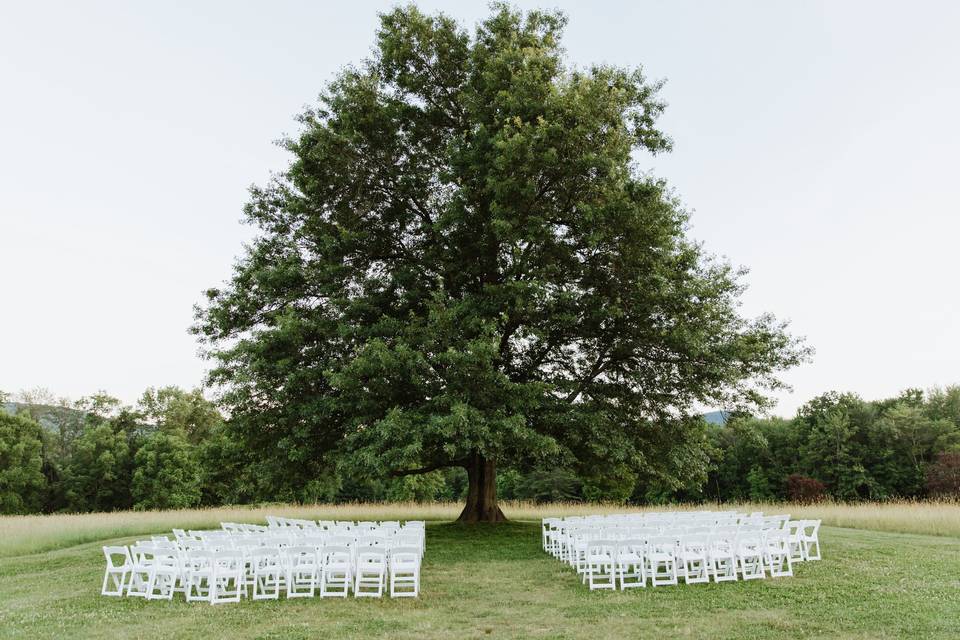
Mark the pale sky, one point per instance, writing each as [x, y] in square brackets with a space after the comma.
[816, 143]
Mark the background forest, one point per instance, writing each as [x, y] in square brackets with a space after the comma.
[174, 449]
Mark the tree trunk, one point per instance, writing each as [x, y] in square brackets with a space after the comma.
[482, 495]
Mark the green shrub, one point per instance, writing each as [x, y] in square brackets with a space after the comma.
[167, 474]
[22, 483]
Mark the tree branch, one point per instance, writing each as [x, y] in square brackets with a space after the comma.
[427, 469]
[595, 370]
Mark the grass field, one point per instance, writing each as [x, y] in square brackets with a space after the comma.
[26, 534]
[495, 582]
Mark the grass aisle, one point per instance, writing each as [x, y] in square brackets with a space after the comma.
[495, 582]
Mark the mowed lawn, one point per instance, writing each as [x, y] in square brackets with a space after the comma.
[495, 582]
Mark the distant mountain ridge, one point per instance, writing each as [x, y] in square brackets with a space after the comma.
[51, 418]
[717, 417]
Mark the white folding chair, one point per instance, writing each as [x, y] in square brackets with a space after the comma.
[405, 572]
[600, 564]
[662, 560]
[795, 544]
[776, 551]
[341, 540]
[119, 566]
[303, 571]
[694, 550]
[371, 573]
[141, 555]
[545, 530]
[579, 542]
[631, 565]
[407, 539]
[337, 571]
[750, 555]
[228, 576]
[268, 573]
[199, 576]
[723, 557]
[810, 537]
[164, 573]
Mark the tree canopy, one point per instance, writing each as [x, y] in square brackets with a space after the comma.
[99, 471]
[463, 266]
[22, 483]
[899, 447]
[167, 474]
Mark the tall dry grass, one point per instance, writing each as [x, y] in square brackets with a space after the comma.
[30, 534]
[937, 518]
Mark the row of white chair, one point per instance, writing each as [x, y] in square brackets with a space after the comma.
[276, 522]
[664, 560]
[213, 540]
[605, 551]
[665, 521]
[155, 572]
[802, 535]
[224, 565]
[389, 532]
[559, 534]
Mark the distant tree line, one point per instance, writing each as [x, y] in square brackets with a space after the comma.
[174, 449]
[97, 455]
[841, 446]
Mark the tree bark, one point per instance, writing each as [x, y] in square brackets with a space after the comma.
[482, 494]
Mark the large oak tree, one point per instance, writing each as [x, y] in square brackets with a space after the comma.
[462, 266]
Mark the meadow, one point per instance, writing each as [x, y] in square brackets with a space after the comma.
[30, 534]
[888, 571]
